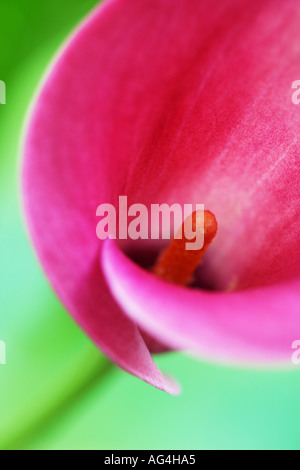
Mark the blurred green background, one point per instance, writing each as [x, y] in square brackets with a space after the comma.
[57, 391]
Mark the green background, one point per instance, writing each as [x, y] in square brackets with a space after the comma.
[57, 391]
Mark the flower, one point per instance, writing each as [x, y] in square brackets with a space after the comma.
[174, 101]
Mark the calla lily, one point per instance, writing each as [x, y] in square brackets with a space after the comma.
[174, 101]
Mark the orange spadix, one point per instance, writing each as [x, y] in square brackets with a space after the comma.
[177, 264]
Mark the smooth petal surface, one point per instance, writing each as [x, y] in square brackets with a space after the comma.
[62, 192]
[169, 101]
[257, 325]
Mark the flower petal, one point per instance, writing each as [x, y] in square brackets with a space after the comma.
[62, 193]
[253, 325]
[132, 107]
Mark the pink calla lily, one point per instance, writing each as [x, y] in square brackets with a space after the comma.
[174, 101]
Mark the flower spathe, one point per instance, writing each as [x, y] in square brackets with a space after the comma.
[174, 101]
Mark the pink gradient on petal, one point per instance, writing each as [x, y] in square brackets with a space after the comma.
[173, 101]
[256, 325]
